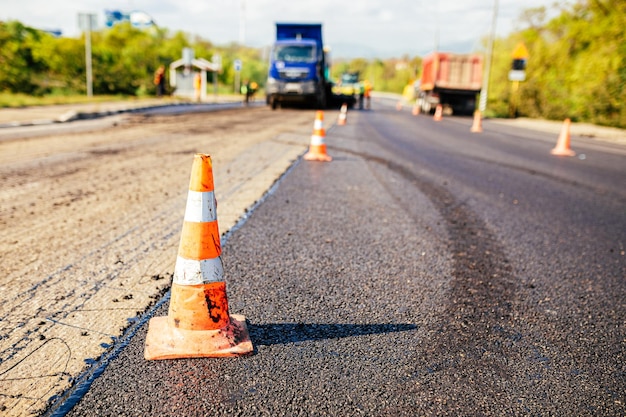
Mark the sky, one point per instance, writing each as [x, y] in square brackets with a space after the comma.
[352, 28]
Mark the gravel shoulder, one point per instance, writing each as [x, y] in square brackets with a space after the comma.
[601, 133]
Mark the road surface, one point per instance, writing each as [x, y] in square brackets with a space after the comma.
[426, 270]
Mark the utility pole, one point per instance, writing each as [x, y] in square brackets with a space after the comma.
[436, 27]
[86, 21]
[482, 105]
[242, 22]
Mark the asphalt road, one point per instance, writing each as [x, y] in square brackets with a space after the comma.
[426, 270]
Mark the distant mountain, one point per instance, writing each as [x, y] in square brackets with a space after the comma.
[351, 51]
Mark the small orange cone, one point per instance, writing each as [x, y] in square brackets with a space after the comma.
[477, 125]
[562, 147]
[317, 150]
[438, 113]
[399, 105]
[416, 110]
[343, 115]
[198, 323]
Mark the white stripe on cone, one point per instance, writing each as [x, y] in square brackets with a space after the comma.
[193, 272]
[317, 140]
[201, 207]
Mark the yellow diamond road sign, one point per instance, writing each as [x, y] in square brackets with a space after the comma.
[520, 51]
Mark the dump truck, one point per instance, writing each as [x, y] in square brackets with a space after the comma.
[452, 80]
[298, 67]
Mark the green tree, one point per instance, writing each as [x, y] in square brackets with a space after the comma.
[17, 61]
[65, 62]
[576, 68]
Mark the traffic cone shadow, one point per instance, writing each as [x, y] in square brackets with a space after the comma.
[317, 149]
[198, 323]
[562, 147]
[477, 125]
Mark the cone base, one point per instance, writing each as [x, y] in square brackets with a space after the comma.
[562, 152]
[476, 130]
[167, 342]
[317, 157]
[317, 153]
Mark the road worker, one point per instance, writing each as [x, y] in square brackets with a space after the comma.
[197, 85]
[367, 93]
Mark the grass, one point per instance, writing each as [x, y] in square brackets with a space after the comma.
[14, 100]
[17, 100]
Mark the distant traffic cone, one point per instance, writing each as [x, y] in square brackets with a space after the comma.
[416, 110]
[198, 323]
[438, 113]
[343, 115]
[477, 125]
[399, 105]
[562, 147]
[317, 150]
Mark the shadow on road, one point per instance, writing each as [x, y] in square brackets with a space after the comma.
[283, 333]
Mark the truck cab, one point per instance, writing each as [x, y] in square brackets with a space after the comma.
[297, 68]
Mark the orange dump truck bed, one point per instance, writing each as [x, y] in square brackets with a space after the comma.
[452, 71]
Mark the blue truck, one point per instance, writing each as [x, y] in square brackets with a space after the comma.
[298, 67]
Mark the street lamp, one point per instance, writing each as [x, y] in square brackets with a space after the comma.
[482, 105]
[242, 22]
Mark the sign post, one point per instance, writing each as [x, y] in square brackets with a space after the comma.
[86, 22]
[217, 62]
[237, 65]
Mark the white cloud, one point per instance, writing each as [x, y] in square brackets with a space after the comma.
[386, 16]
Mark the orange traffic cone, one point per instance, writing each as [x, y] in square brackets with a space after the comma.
[438, 113]
[477, 125]
[198, 323]
[317, 150]
[343, 115]
[416, 110]
[562, 147]
[399, 105]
